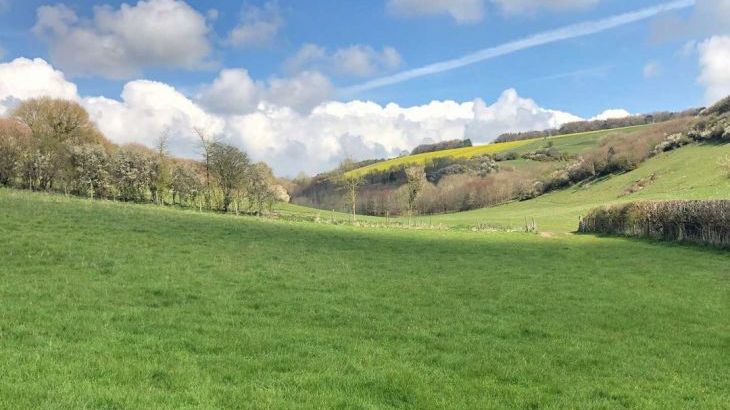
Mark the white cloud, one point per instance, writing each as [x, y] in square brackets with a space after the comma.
[715, 67]
[148, 109]
[531, 6]
[611, 114]
[652, 69]
[23, 78]
[258, 26]
[120, 43]
[512, 113]
[355, 60]
[302, 92]
[462, 11]
[233, 92]
[270, 127]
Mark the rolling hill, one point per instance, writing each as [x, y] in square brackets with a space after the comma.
[569, 143]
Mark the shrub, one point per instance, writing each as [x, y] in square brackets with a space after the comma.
[704, 222]
[720, 107]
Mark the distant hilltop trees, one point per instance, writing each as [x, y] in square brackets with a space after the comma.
[440, 146]
[598, 125]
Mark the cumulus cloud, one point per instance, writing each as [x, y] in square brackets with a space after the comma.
[258, 27]
[715, 67]
[356, 60]
[512, 113]
[22, 78]
[120, 43]
[302, 92]
[269, 127]
[148, 109]
[235, 92]
[611, 114]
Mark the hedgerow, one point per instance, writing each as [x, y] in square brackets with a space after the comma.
[704, 222]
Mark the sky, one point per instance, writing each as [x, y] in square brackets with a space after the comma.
[303, 85]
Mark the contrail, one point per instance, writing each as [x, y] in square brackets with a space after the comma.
[546, 37]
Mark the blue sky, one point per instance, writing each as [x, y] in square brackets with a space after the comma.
[638, 67]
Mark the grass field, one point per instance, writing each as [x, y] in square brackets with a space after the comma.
[106, 305]
[570, 144]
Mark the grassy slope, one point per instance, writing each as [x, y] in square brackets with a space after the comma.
[576, 143]
[127, 306]
[571, 144]
[688, 173]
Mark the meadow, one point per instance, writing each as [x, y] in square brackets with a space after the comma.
[111, 305]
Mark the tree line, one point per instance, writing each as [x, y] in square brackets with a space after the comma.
[598, 125]
[52, 145]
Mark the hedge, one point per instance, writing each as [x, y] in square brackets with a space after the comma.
[703, 222]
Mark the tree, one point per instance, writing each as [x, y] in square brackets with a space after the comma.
[206, 145]
[260, 187]
[415, 180]
[185, 183]
[160, 170]
[56, 125]
[229, 166]
[15, 144]
[90, 170]
[130, 172]
[351, 182]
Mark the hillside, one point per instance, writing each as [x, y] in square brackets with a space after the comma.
[109, 305]
[691, 172]
[570, 143]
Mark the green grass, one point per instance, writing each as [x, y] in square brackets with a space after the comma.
[577, 143]
[107, 305]
[691, 172]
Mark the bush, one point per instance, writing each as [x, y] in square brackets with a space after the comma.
[720, 107]
[704, 222]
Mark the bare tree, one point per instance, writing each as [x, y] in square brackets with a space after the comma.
[205, 145]
[160, 170]
[352, 181]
